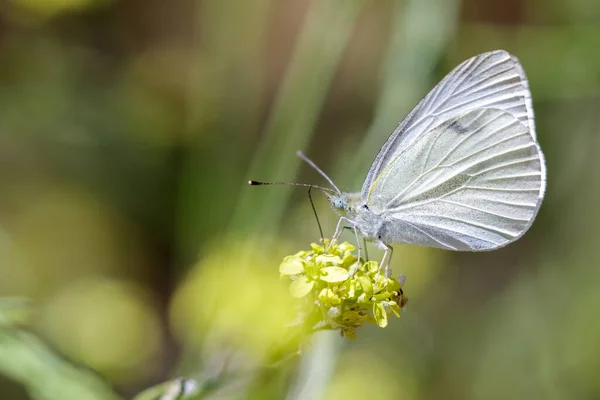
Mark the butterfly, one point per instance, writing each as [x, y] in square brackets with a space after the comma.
[463, 171]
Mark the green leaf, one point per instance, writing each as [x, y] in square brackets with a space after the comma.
[334, 274]
[346, 247]
[371, 266]
[380, 314]
[382, 296]
[349, 260]
[301, 287]
[329, 259]
[393, 285]
[318, 249]
[46, 375]
[366, 284]
[395, 308]
[350, 288]
[329, 298]
[291, 265]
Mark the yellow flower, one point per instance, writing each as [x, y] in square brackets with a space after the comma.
[335, 299]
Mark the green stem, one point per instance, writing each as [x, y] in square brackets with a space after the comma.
[26, 359]
[316, 367]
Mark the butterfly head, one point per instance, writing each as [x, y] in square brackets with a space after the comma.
[345, 204]
[339, 202]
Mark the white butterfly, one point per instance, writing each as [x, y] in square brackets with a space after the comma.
[463, 171]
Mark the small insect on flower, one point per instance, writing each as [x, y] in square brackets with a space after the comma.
[336, 299]
[463, 171]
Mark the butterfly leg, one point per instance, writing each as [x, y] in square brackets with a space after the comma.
[353, 229]
[338, 232]
[387, 257]
[355, 267]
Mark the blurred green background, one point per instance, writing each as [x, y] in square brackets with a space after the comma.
[128, 130]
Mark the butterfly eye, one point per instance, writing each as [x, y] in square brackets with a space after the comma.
[366, 207]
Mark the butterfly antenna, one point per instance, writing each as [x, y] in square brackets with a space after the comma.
[315, 212]
[259, 183]
[312, 164]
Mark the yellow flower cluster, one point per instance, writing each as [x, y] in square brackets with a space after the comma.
[336, 299]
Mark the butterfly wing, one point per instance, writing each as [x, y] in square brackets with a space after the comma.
[489, 80]
[474, 183]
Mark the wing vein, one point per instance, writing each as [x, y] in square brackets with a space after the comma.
[502, 153]
[507, 164]
[515, 176]
[495, 75]
[445, 228]
[431, 236]
[483, 211]
[501, 190]
[499, 231]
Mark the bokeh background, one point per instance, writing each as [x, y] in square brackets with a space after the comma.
[128, 130]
